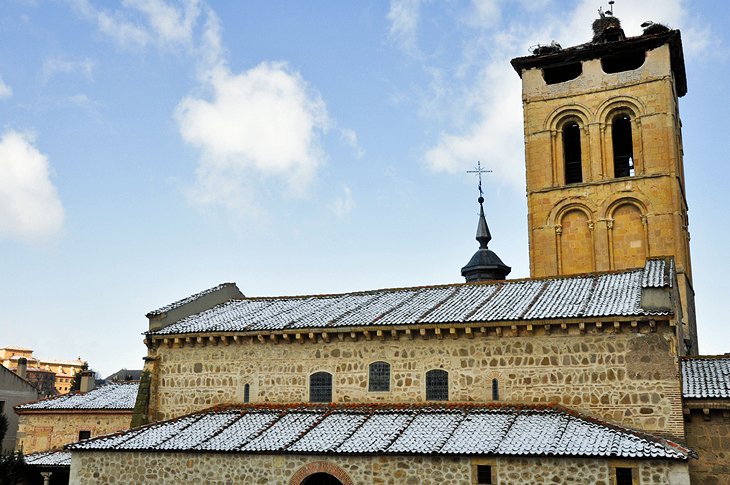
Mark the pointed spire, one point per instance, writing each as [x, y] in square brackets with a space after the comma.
[483, 234]
[485, 265]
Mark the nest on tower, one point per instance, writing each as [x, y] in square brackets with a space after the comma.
[606, 28]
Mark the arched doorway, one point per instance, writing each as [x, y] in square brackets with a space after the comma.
[321, 479]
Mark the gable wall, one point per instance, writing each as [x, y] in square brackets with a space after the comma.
[47, 431]
[626, 377]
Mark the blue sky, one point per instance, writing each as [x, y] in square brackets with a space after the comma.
[152, 149]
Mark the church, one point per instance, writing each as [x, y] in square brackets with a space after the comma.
[585, 373]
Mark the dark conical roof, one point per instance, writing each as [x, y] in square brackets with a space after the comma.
[485, 265]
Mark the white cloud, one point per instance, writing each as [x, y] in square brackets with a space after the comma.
[343, 204]
[265, 119]
[51, 67]
[350, 137]
[403, 16]
[5, 90]
[30, 208]
[142, 22]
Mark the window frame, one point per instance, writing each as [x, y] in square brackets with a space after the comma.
[615, 465]
[324, 388]
[381, 382]
[433, 393]
[481, 462]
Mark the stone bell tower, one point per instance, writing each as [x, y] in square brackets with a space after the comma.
[603, 151]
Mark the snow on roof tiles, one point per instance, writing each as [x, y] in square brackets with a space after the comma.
[49, 458]
[121, 396]
[706, 377]
[595, 295]
[658, 273]
[179, 303]
[451, 429]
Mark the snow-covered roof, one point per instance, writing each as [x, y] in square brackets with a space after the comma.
[49, 458]
[583, 296]
[188, 299]
[120, 396]
[449, 429]
[706, 377]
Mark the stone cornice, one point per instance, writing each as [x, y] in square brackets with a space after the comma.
[469, 330]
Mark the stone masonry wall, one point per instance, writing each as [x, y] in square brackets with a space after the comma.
[629, 378]
[107, 468]
[710, 438]
[40, 432]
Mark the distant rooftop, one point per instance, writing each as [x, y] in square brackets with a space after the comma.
[120, 396]
[591, 295]
[428, 429]
[706, 377]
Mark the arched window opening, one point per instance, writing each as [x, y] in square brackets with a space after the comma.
[561, 74]
[246, 392]
[571, 153]
[625, 61]
[320, 387]
[437, 385]
[321, 479]
[379, 377]
[623, 147]
[495, 390]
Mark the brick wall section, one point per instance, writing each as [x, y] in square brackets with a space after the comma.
[711, 440]
[46, 431]
[89, 468]
[626, 377]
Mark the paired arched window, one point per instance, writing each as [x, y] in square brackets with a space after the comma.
[320, 387]
[437, 385]
[623, 146]
[379, 377]
[572, 158]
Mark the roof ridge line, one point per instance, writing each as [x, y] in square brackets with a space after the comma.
[279, 414]
[400, 432]
[375, 297]
[498, 289]
[396, 307]
[588, 298]
[197, 418]
[438, 305]
[464, 414]
[217, 433]
[540, 292]
[354, 430]
[314, 424]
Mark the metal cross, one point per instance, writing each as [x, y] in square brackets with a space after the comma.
[478, 170]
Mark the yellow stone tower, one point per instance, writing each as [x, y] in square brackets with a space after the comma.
[603, 150]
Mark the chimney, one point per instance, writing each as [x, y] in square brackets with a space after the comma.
[88, 381]
[22, 369]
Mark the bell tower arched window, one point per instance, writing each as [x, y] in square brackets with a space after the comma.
[623, 146]
[572, 153]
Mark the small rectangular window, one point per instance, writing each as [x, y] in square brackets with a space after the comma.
[484, 474]
[624, 476]
[84, 435]
[379, 378]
